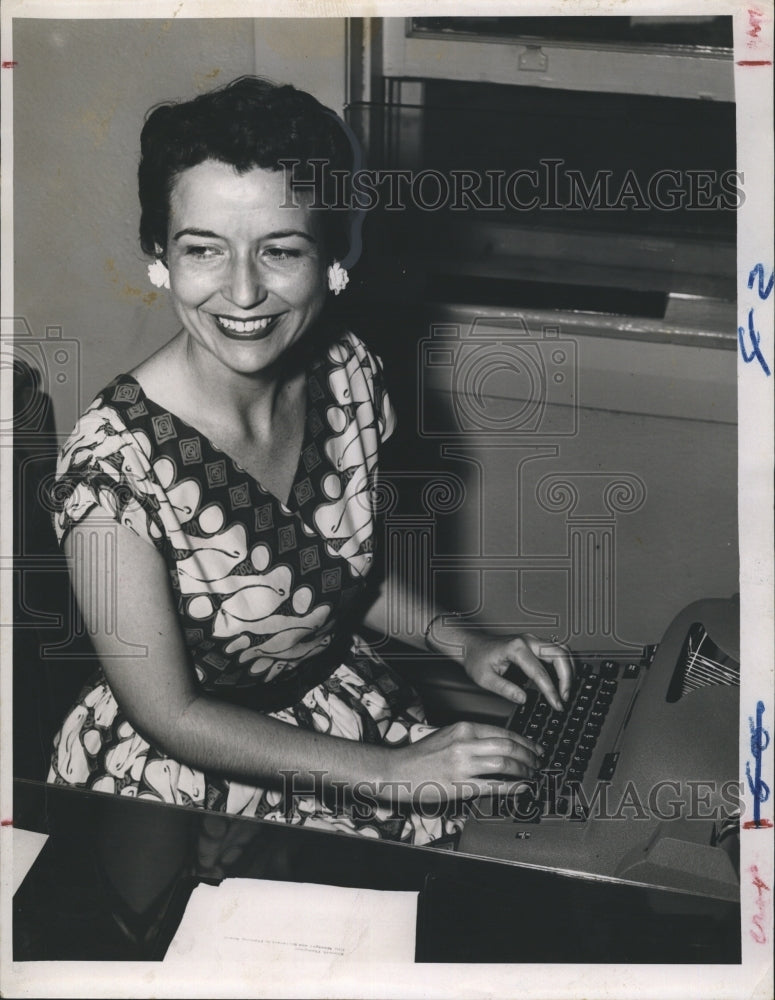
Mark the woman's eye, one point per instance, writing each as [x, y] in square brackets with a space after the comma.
[282, 253]
[202, 253]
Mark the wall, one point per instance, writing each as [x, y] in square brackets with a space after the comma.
[624, 521]
[81, 90]
[596, 518]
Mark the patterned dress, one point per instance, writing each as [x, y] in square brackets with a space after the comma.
[264, 590]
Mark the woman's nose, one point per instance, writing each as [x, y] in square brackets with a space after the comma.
[246, 286]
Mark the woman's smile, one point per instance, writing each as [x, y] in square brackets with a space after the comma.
[255, 328]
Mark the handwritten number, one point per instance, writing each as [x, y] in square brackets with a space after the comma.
[755, 352]
[751, 351]
[764, 290]
[760, 740]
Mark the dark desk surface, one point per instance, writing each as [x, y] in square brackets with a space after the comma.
[115, 875]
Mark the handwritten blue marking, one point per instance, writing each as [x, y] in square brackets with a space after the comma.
[760, 740]
[764, 290]
[755, 353]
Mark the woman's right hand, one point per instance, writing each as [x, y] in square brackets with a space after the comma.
[461, 762]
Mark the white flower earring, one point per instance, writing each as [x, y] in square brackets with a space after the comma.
[337, 278]
[158, 274]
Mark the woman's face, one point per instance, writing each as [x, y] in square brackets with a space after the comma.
[247, 276]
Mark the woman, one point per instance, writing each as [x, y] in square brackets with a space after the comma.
[232, 472]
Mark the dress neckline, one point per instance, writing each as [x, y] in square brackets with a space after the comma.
[306, 437]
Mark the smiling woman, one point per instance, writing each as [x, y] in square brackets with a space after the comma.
[228, 480]
[248, 276]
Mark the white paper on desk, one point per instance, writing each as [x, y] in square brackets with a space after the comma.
[27, 845]
[254, 920]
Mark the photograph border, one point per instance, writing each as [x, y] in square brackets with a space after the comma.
[753, 75]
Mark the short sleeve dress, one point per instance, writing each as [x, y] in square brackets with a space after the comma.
[264, 590]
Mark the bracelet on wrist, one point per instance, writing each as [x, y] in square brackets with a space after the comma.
[431, 623]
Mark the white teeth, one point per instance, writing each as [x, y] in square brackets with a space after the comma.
[247, 326]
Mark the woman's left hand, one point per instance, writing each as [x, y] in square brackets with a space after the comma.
[488, 657]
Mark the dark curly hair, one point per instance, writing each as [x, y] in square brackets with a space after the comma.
[251, 122]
